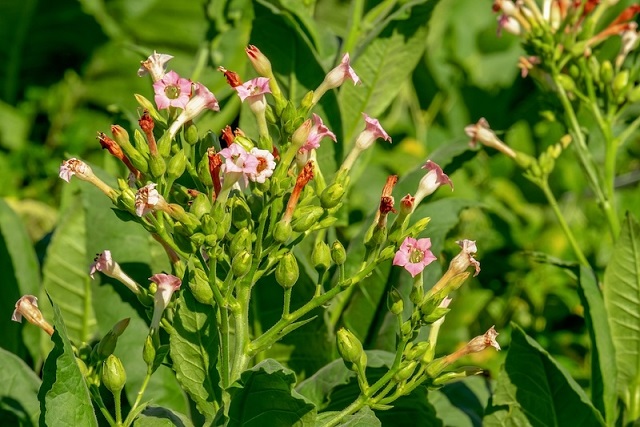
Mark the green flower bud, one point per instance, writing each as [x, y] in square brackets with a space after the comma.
[127, 200]
[305, 217]
[405, 372]
[634, 94]
[177, 165]
[241, 263]
[338, 254]
[350, 348]
[223, 226]
[107, 344]
[241, 241]
[416, 294]
[282, 231]
[428, 355]
[141, 143]
[209, 225]
[197, 239]
[387, 253]
[157, 166]
[113, 374]
[574, 71]
[203, 171]
[436, 314]
[240, 213]
[307, 101]
[418, 227]
[332, 195]
[164, 145]
[148, 351]
[406, 328]
[287, 271]
[201, 206]
[199, 286]
[191, 133]
[321, 256]
[567, 83]
[456, 375]
[606, 72]
[620, 82]
[396, 302]
[416, 352]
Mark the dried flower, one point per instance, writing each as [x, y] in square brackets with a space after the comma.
[27, 307]
[155, 65]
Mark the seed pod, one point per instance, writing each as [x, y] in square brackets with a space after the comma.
[199, 286]
[405, 372]
[305, 217]
[241, 241]
[321, 256]
[349, 346]
[113, 374]
[332, 195]
[157, 166]
[606, 72]
[287, 271]
[199, 207]
[282, 231]
[241, 263]
[148, 351]
[191, 133]
[338, 254]
[177, 165]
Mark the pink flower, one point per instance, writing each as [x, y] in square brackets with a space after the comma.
[73, 167]
[340, 73]
[414, 255]
[481, 132]
[317, 132]
[372, 131]
[253, 88]
[104, 262]
[172, 91]
[156, 65]
[265, 167]
[203, 99]
[148, 200]
[27, 307]
[429, 183]
[167, 285]
[238, 163]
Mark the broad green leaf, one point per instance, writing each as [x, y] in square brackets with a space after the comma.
[461, 403]
[64, 396]
[18, 390]
[365, 417]
[264, 395]
[501, 417]
[621, 299]
[194, 351]
[603, 357]
[66, 271]
[156, 416]
[19, 266]
[384, 66]
[532, 382]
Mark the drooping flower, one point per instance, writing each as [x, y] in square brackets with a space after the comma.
[203, 99]
[265, 167]
[148, 200]
[172, 91]
[155, 65]
[414, 255]
[253, 89]
[488, 339]
[27, 307]
[481, 132]
[432, 180]
[317, 132]
[83, 172]
[104, 262]
[167, 285]
[372, 131]
[465, 258]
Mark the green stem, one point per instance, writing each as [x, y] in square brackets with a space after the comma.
[340, 304]
[95, 394]
[544, 185]
[357, 10]
[287, 303]
[118, 404]
[145, 383]
[630, 130]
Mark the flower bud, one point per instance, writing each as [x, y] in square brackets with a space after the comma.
[434, 315]
[606, 72]
[282, 231]
[321, 256]
[223, 227]
[456, 375]
[338, 254]
[127, 200]
[418, 227]
[191, 133]
[620, 82]
[140, 143]
[396, 302]
[200, 207]
[241, 263]
[405, 372]
[287, 271]
[406, 328]
[177, 165]
[305, 217]
[157, 166]
[332, 195]
[387, 253]
[107, 344]
[567, 83]
[203, 171]
[350, 348]
[113, 374]
[199, 286]
[417, 351]
[148, 351]
[241, 214]
[259, 61]
[241, 241]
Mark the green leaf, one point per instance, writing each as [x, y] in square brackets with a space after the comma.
[64, 396]
[384, 66]
[603, 357]
[66, 270]
[19, 266]
[365, 417]
[532, 381]
[621, 290]
[264, 395]
[194, 351]
[156, 416]
[461, 403]
[18, 390]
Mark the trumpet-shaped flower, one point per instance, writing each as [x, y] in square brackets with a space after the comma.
[317, 132]
[172, 91]
[148, 200]
[254, 88]
[155, 65]
[167, 285]
[414, 255]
